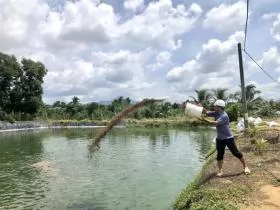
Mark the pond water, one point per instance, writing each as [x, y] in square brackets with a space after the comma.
[134, 169]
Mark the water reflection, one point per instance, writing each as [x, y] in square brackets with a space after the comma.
[17, 152]
[137, 168]
[74, 133]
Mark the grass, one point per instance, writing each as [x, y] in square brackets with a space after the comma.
[195, 198]
[234, 190]
[164, 122]
[145, 122]
[199, 196]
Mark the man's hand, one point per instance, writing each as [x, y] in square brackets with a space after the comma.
[203, 119]
[210, 122]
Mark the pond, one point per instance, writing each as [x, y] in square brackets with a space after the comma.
[137, 168]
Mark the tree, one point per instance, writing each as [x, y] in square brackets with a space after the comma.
[10, 72]
[75, 100]
[119, 104]
[165, 109]
[202, 96]
[251, 94]
[92, 108]
[74, 108]
[220, 93]
[253, 101]
[59, 104]
[20, 84]
[26, 96]
[127, 101]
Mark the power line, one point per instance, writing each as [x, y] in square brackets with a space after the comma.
[246, 25]
[260, 67]
[245, 40]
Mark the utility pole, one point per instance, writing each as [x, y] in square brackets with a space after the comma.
[244, 102]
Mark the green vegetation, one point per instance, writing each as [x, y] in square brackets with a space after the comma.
[21, 87]
[74, 110]
[261, 145]
[197, 196]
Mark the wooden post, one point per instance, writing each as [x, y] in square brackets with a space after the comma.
[243, 91]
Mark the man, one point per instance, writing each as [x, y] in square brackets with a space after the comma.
[224, 135]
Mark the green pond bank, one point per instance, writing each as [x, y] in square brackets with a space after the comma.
[235, 190]
[198, 196]
[159, 122]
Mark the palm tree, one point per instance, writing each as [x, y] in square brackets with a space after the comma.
[75, 100]
[202, 96]
[253, 101]
[220, 93]
[233, 98]
[251, 93]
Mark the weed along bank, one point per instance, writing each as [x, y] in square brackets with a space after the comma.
[235, 189]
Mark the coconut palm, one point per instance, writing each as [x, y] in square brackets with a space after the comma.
[233, 98]
[251, 94]
[202, 96]
[220, 93]
[253, 101]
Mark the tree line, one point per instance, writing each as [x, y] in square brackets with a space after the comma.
[257, 106]
[21, 98]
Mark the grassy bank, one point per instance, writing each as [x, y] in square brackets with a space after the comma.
[164, 122]
[198, 195]
[235, 190]
[151, 122]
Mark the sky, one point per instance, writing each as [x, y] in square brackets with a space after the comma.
[99, 50]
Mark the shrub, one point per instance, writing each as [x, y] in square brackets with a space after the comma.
[266, 111]
[232, 111]
[261, 145]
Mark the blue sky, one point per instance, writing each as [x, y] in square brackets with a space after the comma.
[99, 50]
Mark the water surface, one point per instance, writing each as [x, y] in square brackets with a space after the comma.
[134, 169]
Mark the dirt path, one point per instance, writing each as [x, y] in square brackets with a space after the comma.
[270, 199]
[262, 186]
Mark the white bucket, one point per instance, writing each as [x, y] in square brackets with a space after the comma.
[192, 110]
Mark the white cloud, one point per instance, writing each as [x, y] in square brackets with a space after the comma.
[86, 22]
[122, 72]
[269, 16]
[133, 5]
[271, 56]
[19, 22]
[180, 73]
[213, 82]
[162, 60]
[268, 90]
[161, 23]
[163, 57]
[81, 22]
[275, 29]
[270, 61]
[95, 51]
[226, 17]
[122, 66]
[216, 57]
[86, 46]
[215, 53]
